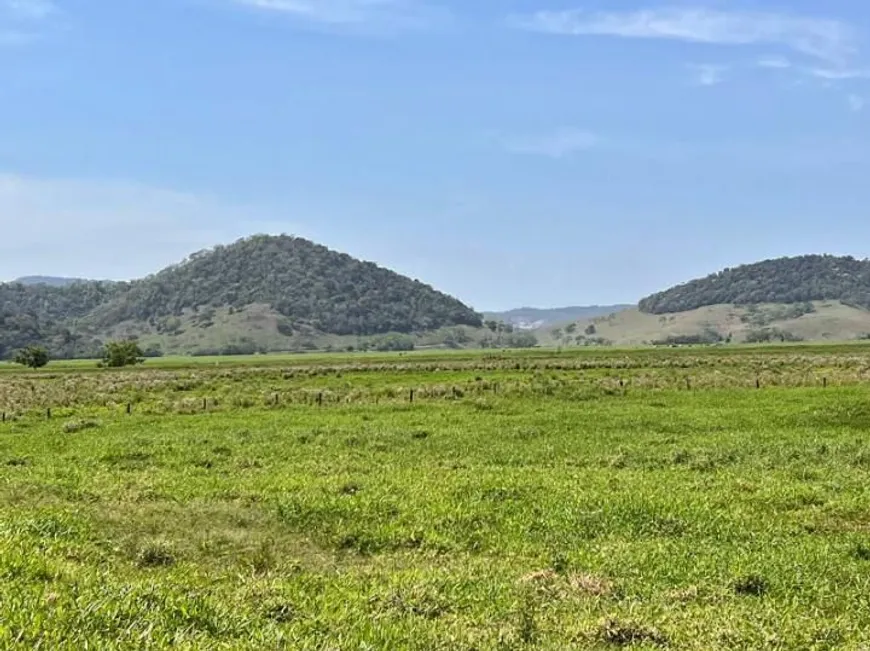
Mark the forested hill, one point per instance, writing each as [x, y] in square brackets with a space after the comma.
[304, 287]
[308, 283]
[49, 315]
[783, 280]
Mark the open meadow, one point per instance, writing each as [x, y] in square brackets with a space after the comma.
[710, 498]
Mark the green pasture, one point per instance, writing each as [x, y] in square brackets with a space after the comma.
[682, 499]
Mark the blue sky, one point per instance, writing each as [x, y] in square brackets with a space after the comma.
[510, 152]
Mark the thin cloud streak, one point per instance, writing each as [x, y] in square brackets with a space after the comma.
[774, 62]
[826, 39]
[557, 145]
[856, 103]
[839, 74]
[359, 15]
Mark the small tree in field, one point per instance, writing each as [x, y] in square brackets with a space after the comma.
[122, 353]
[32, 357]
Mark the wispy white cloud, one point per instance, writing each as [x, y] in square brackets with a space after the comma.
[774, 62]
[839, 74]
[708, 75]
[856, 103]
[559, 144]
[822, 38]
[358, 15]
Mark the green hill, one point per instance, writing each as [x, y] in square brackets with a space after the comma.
[811, 298]
[815, 321]
[260, 293]
[783, 280]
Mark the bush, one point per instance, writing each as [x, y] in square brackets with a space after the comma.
[767, 335]
[708, 336]
[521, 340]
[393, 343]
[153, 351]
[122, 353]
[32, 357]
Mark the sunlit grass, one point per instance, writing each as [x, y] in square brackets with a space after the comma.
[558, 511]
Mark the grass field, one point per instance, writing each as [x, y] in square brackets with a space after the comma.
[689, 499]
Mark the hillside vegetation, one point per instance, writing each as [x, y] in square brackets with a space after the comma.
[783, 280]
[305, 282]
[290, 286]
[814, 321]
[49, 315]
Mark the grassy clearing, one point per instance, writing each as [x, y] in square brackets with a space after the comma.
[560, 511]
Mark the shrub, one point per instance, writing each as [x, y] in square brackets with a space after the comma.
[32, 357]
[122, 353]
[393, 343]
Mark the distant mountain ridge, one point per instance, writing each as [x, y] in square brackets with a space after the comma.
[532, 318]
[781, 280]
[259, 293]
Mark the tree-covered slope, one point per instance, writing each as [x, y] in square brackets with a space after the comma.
[306, 288]
[305, 282]
[48, 315]
[783, 280]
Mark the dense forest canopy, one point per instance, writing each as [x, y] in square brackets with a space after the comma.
[49, 315]
[308, 284]
[783, 280]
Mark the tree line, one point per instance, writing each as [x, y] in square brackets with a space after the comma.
[116, 354]
[783, 280]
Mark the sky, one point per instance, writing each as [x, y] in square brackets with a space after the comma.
[509, 152]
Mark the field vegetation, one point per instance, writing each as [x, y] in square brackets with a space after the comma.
[698, 498]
